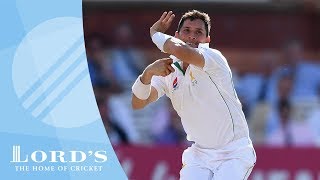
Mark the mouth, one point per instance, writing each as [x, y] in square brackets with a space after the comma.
[194, 45]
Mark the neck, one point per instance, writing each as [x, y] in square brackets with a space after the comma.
[184, 66]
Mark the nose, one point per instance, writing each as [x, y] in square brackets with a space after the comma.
[192, 37]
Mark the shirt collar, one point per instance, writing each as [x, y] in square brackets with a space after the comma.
[174, 58]
[203, 45]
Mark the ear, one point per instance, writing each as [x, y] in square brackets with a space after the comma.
[176, 34]
[208, 39]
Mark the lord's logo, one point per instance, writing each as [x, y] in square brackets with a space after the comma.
[73, 156]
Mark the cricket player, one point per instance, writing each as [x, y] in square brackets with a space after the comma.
[198, 81]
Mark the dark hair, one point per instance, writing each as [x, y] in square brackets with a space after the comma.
[195, 14]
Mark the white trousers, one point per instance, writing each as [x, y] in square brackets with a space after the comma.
[235, 161]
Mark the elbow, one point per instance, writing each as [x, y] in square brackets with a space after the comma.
[135, 106]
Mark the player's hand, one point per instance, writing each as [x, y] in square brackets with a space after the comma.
[163, 24]
[161, 67]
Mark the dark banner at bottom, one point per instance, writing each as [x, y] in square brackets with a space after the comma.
[164, 162]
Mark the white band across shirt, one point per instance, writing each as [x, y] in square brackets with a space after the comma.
[205, 99]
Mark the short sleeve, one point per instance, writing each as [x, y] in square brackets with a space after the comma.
[213, 59]
[159, 83]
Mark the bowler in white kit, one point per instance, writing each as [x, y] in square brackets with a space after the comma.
[198, 81]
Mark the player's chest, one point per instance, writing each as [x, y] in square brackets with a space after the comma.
[186, 87]
[181, 80]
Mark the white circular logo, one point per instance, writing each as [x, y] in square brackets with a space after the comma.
[50, 74]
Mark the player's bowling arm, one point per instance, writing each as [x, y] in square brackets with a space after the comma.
[175, 46]
[184, 52]
[139, 103]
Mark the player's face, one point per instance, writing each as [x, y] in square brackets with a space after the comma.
[193, 33]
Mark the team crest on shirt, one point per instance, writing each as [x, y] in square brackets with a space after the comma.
[175, 84]
[193, 80]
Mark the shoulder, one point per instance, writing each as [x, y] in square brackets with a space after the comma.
[213, 57]
[204, 47]
[211, 54]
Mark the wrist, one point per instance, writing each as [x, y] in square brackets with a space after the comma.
[141, 90]
[159, 39]
[152, 32]
[146, 76]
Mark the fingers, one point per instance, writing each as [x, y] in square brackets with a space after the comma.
[163, 16]
[164, 67]
[171, 19]
[169, 16]
[171, 69]
[166, 70]
[163, 23]
[166, 60]
[169, 61]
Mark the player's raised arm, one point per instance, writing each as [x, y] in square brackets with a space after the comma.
[183, 46]
[143, 92]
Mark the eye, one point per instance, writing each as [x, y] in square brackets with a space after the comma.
[186, 30]
[199, 32]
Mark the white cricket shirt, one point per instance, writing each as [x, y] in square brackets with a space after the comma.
[206, 101]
